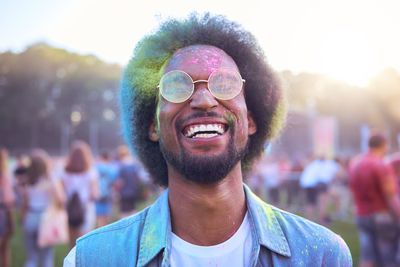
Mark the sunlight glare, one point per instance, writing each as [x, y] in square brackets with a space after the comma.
[349, 56]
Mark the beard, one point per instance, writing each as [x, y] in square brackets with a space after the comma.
[206, 169]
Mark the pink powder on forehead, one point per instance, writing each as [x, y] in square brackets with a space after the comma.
[209, 57]
[209, 61]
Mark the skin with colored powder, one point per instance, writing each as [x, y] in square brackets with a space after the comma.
[139, 94]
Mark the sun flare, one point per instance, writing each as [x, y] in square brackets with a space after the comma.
[349, 56]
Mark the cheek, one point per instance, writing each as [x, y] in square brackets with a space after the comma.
[162, 106]
[166, 116]
[242, 127]
[239, 109]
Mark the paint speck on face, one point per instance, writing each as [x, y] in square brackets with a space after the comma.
[209, 59]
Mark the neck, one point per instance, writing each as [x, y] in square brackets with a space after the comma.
[206, 214]
[377, 152]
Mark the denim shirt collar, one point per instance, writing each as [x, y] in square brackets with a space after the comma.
[264, 223]
[157, 226]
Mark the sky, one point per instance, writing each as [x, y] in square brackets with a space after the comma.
[350, 40]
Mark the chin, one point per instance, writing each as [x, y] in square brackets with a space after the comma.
[206, 168]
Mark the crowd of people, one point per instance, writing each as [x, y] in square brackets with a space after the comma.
[363, 188]
[92, 192]
[319, 188]
[314, 186]
[374, 182]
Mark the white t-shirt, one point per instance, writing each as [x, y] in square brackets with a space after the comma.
[236, 251]
[318, 171]
[80, 183]
[311, 174]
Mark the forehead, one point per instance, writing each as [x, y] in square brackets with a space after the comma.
[200, 60]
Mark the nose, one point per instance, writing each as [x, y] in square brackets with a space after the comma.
[202, 98]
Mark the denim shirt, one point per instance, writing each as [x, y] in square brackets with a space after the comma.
[279, 239]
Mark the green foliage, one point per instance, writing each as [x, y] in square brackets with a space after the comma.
[40, 88]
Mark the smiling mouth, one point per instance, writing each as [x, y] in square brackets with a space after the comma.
[207, 130]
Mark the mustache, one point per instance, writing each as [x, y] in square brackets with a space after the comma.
[179, 122]
[228, 117]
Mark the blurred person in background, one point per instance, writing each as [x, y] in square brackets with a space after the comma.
[7, 199]
[129, 184]
[338, 191]
[394, 161]
[20, 169]
[80, 182]
[309, 182]
[327, 172]
[376, 198]
[292, 185]
[108, 174]
[123, 155]
[37, 193]
[254, 179]
[316, 179]
[284, 166]
[268, 169]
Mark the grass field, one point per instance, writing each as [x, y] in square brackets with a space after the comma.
[346, 230]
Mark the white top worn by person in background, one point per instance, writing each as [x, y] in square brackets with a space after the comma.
[81, 183]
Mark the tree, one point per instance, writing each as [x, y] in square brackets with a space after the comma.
[42, 86]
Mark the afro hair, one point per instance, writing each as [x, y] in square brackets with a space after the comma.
[138, 94]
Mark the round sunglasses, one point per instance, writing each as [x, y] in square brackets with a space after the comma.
[177, 86]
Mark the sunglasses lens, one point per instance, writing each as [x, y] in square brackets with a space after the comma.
[225, 83]
[176, 86]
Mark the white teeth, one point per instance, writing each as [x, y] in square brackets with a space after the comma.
[196, 129]
[199, 130]
[205, 135]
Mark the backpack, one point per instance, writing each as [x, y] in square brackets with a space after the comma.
[75, 211]
[107, 175]
[129, 175]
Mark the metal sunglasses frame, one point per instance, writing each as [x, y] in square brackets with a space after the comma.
[198, 81]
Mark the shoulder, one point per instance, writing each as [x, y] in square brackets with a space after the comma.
[306, 238]
[127, 224]
[119, 240]
[302, 242]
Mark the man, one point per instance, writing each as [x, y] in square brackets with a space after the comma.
[310, 179]
[107, 176]
[193, 124]
[394, 161]
[130, 187]
[375, 191]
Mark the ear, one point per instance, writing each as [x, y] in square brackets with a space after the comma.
[252, 126]
[153, 134]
